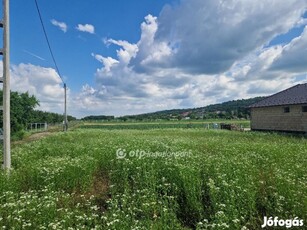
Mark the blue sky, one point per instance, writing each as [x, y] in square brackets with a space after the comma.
[128, 57]
[116, 19]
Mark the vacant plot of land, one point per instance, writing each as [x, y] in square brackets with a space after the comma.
[154, 179]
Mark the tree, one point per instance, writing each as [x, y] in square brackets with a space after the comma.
[22, 107]
[22, 112]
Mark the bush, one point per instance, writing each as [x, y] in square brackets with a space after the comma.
[19, 135]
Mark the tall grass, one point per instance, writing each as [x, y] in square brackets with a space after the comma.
[230, 180]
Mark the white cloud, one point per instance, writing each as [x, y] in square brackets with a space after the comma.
[209, 36]
[86, 28]
[107, 62]
[194, 54]
[150, 53]
[301, 22]
[43, 83]
[127, 52]
[61, 25]
[293, 57]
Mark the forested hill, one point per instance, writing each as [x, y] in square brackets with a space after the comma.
[227, 110]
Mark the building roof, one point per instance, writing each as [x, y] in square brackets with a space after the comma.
[291, 96]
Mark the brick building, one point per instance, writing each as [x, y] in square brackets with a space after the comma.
[285, 111]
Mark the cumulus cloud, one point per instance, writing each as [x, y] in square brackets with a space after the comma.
[61, 25]
[256, 66]
[107, 62]
[43, 83]
[193, 54]
[151, 53]
[197, 53]
[86, 28]
[293, 57]
[127, 51]
[209, 36]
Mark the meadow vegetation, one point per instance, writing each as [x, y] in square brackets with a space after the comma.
[230, 180]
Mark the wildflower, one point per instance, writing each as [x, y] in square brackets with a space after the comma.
[236, 221]
[225, 225]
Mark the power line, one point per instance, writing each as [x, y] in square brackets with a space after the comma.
[56, 67]
[46, 36]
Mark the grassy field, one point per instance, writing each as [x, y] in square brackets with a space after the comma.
[207, 124]
[154, 179]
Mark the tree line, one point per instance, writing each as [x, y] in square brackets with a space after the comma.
[23, 112]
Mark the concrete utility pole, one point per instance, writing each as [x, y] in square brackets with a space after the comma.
[65, 108]
[6, 87]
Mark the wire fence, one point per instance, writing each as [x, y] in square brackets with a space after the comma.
[244, 126]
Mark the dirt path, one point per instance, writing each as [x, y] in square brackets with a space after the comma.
[33, 137]
[37, 136]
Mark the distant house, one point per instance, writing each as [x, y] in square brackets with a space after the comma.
[285, 111]
[185, 114]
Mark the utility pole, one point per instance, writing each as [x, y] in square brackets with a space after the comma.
[65, 123]
[5, 24]
[65, 108]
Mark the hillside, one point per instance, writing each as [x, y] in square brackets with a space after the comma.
[226, 110]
